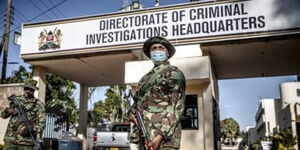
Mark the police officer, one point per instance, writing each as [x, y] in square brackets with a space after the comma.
[160, 98]
[17, 136]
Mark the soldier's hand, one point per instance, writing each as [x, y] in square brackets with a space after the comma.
[147, 146]
[132, 118]
[155, 143]
[11, 111]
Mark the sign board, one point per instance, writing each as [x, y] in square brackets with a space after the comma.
[187, 22]
[17, 38]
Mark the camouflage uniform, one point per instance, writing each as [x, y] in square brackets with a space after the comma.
[35, 110]
[160, 98]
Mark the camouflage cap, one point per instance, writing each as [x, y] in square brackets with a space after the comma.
[161, 40]
[30, 84]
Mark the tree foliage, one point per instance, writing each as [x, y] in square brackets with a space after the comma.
[59, 100]
[19, 76]
[113, 108]
[229, 129]
[98, 113]
[242, 134]
[229, 126]
[283, 139]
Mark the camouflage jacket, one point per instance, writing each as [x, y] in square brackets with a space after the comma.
[35, 111]
[161, 97]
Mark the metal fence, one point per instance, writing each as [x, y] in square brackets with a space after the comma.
[52, 129]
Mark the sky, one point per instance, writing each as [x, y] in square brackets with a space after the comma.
[239, 98]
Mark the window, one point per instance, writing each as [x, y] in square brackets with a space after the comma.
[298, 92]
[121, 128]
[190, 114]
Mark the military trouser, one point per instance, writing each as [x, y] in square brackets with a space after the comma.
[11, 146]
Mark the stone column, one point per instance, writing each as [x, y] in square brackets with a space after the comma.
[208, 115]
[83, 115]
[39, 74]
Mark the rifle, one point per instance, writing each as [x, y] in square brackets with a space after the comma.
[23, 118]
[139, 117]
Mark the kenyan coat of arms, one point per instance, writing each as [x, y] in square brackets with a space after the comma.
[50, 40]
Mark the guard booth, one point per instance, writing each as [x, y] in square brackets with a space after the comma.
[214, 40]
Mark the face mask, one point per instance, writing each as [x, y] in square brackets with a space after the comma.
[158, 56]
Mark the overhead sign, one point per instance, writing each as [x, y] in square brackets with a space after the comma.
[188, 21]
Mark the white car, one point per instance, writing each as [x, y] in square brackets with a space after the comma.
[266, 145]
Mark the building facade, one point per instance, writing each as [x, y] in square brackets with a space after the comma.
[251, 135]
[274, 114]
[289, 115]
[266, 117]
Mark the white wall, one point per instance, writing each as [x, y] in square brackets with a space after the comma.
[289, 101]
[252, 135]
[194, 139]
[289, 93]
[268, 117]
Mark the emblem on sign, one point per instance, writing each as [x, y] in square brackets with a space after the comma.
[50, 40]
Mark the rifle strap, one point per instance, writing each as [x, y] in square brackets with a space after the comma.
[146, 86]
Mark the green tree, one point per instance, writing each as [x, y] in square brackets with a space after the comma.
[113, 108]
[242, 134]
[91, 117]
[229, 129]
[19, 75]
[283, 139]
[98, 113]
[59, 100]
[117, 107]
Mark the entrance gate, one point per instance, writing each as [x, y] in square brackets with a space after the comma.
[214, 40]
